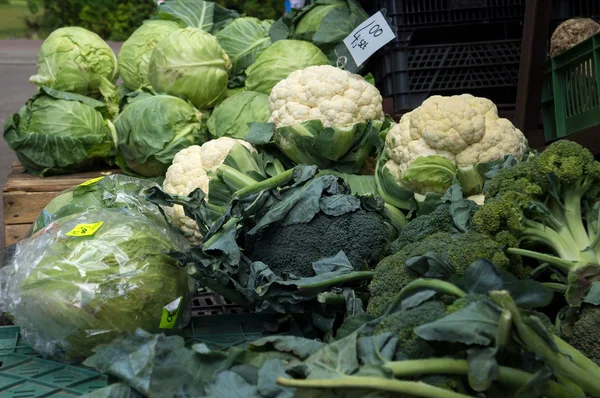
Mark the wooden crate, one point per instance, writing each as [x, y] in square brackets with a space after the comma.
[26, 195]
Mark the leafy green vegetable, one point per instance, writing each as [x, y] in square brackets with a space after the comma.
[70, 294]
[152, 129]
[58, 132]
[232, 116]
[190, 64]
[430, 174]
[244, 40]
[278, 61]
[134, 56]
[76, 60]
[205, 15]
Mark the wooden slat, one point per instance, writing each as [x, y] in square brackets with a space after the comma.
[14, 233]
[24, 207]
[20, 181]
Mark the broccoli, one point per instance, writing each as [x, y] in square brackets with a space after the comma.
[392, 274]
[402, 324]
[363, 237]
[584, 333]
[550, 201]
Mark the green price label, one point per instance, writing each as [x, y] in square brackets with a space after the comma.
[170, 313]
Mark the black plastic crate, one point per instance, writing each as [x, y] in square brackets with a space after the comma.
[412, 74]
[210, 303]
[410, 14]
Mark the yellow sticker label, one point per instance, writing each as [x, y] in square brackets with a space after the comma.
[170, 313]
[90, 182]
[85, 229]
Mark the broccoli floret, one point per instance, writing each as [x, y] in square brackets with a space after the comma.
[392, 274]
[439, 220]
[549, 201]
[402, 324]
[584, 335]
[362, 235]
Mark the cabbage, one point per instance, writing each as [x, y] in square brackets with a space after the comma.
[325, 23]
[152, 129]
[76, 60]
[109, 192]
[243, 40]
[232, 116]
[278, 61]
[190, 64]
[57, 132]
[205, 15]
[135, 53]
[70, 294]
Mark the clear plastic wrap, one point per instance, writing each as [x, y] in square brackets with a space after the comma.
[115, 191]
[85, 278]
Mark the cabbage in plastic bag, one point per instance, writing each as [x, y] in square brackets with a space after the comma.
[113, 191]
[84, 279]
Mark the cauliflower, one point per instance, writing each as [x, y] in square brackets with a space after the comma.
[193, 168]
[326, 93]
[463, 129]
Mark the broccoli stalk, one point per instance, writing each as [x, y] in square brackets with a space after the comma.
[564, 360]
[552, 201]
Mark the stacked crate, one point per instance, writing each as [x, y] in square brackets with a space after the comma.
[448, 47]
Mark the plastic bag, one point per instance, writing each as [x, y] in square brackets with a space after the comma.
[115, 191]
[84, 279]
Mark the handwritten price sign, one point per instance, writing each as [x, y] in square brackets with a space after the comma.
[369, 37]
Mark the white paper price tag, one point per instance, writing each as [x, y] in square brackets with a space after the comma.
[369, 37]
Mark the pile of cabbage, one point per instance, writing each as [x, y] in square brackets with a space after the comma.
[193, 72]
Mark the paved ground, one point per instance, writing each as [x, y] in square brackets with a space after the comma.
[17, 64]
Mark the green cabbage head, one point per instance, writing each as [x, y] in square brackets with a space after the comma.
[57, 132]
[134, 57]
[279, 60]
[70, 294]
[152, 129]
[115, 191]
[243, 40]
[190, 64]
[76, 60]
[231, 117]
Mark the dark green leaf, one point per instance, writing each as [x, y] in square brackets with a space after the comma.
[483, 368]
[474, 324]
[352, 324]
[231, 385]
[528, 293]
[592, 296]
[431, 265]
[354, 304]
[267, 380]
[481, 277]
[370, 346]
[334, 360]
[299, 346]
[117, 390]
[537, 385]
[260, 133]
[338, 205]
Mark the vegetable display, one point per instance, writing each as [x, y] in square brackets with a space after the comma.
[275, 234]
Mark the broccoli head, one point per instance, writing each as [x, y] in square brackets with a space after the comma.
[402, 323]
[460, 250]
[550, 201]
[584, 333]
[362, 235]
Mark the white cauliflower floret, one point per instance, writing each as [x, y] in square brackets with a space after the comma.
[192, 169]
[464, 129]
[214, 152]
[332, 95]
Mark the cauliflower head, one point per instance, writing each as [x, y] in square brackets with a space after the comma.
[192, 168]
[332, 95]
[464, 129]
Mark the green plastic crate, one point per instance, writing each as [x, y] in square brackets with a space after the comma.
[23, 376]
[11, 343]
[571, 90]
